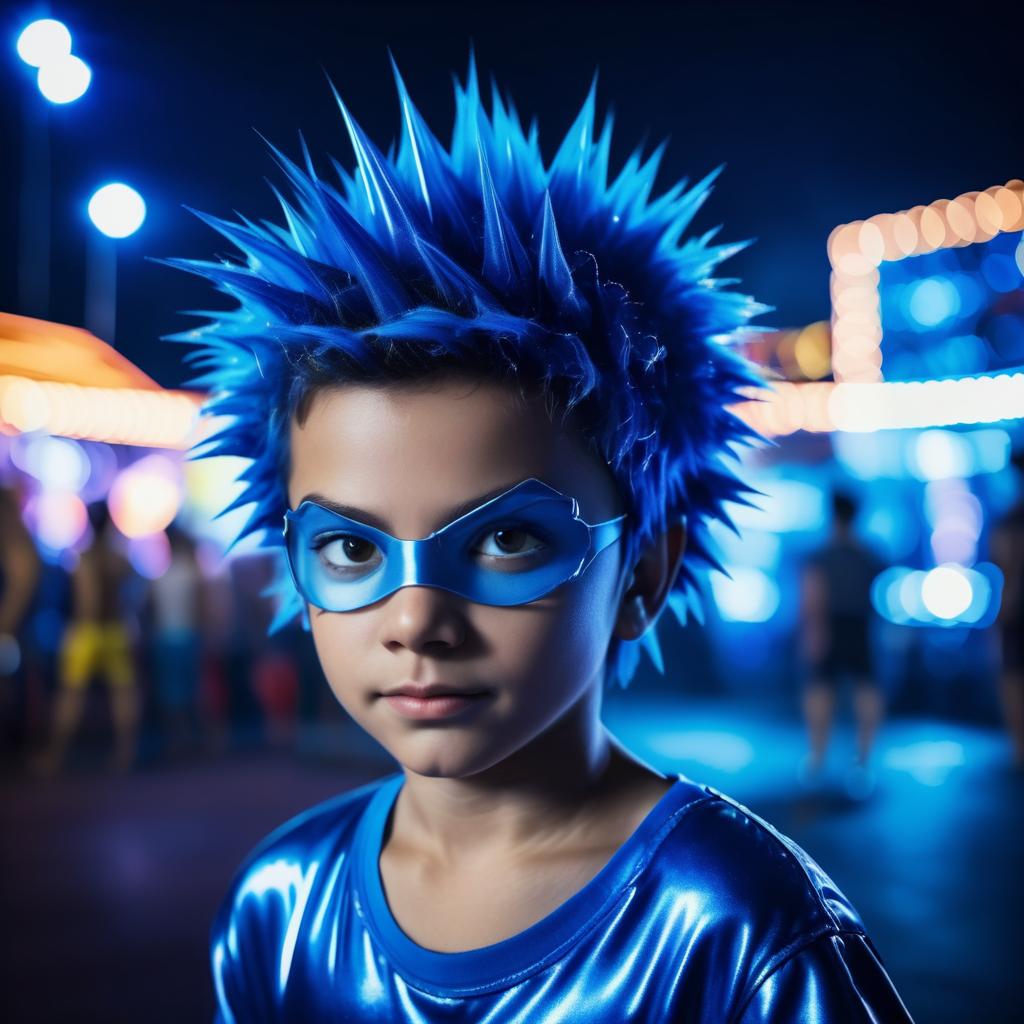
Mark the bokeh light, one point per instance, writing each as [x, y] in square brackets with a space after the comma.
[64, 80]
[102, 470]
[751, 595]
[58, 463]
[129, 416]
[44, 41]
[57, 518]
[932, 301]
[145, 497]
[946, 592]
[150, 555]
[940, 454]
[117, 210]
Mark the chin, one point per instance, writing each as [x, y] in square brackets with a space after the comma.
[440, 758]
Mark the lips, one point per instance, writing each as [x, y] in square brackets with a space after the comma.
[434, 702]
[423, 690]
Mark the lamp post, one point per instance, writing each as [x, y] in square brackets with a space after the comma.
[44, 44]
[116, 211]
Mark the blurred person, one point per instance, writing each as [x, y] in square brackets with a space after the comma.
[485, 401]
[275, 680]
[250, 576]
[176, 600]
[1007, 548]
[19, 576]
[97, 642]
[218, 634]
[835, 618]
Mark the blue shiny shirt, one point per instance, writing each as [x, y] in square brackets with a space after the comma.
[705, 914]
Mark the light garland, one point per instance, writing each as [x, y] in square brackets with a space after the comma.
[131, 416]
[820, 407]
[856, 251]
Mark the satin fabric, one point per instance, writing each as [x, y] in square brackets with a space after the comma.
[705, 914]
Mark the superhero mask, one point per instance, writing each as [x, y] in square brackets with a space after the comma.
[509, 550]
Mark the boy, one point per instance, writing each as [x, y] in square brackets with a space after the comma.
[488, 396]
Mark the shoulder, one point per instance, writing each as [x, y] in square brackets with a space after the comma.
[752, 899]
[753, 868]
[286, 863]
[735, 882]
[297, 868]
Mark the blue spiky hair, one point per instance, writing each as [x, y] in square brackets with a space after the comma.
[482, 256]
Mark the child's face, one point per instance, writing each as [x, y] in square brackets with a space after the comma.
[407, 455]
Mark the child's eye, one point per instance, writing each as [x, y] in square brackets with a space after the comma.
[346, 554]
[510, 542]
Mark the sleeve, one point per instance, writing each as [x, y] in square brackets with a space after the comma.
[242, 960]
[837, 979]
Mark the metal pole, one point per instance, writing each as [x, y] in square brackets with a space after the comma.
[34, 212]
[101, 286]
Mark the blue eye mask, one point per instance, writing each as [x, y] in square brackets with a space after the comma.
[510, 550]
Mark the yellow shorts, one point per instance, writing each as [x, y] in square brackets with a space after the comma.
[93, 648]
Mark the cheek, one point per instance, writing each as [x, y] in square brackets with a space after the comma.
[339, 641]
[559, 642]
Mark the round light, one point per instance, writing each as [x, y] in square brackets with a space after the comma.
[150, 555]
[933, 300]
[44, 41]
[64, 80]
[749, 596]
[961, 220]
[59, 518]
[23, 404]
[933, 228]
[59, 463]
[117, 210]
[145, 497]
[904, 233]
[885, 594]
[939, 455]
[954, 543]
[946, 592]
[910, 597]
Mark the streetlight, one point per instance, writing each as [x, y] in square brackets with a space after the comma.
[43, 41]
[62, 78]
[116, 211]
[65, 79]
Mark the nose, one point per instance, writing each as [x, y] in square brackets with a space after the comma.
[422, 619]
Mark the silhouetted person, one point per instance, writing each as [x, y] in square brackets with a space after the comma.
[178, 607]
[835, 619]
[1008, 553]
[19, 574]
[96, 642]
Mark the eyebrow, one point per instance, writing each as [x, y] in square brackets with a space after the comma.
[370, 519]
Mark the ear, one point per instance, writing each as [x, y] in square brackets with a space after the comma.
[648, 588]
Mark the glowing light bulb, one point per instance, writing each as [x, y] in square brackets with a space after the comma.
[64, 80]
[43, 42]
[117, 210]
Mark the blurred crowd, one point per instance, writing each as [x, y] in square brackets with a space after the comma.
[186, 667]
[182, 661]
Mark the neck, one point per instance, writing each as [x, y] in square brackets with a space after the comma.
[542, 789]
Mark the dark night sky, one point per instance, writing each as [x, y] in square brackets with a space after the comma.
[822, 113]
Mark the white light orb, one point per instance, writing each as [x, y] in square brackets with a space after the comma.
[749, 596]
[145, 497]
[60, 518]
[117, 210]
[64, 80]
[44, 41]
[946, 592]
